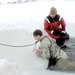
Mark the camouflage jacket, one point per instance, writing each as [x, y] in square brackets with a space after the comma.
[48, 48]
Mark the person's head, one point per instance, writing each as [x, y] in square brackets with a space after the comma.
[53, 12]
[37, 34]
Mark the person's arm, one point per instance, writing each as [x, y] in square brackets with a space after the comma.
[46, 28]
[63, 24]
[44, 48]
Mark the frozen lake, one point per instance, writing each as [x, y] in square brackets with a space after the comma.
[17, 22]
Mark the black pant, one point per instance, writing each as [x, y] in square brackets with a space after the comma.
[61, 40]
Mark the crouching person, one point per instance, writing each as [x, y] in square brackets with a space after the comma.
[55, 26]
[49, 50]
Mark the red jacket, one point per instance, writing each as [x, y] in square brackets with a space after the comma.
[54, 25]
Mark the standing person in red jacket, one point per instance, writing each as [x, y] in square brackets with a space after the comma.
[54, 25]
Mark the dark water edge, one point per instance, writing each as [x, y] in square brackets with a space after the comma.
[71, 56]
[71, 50]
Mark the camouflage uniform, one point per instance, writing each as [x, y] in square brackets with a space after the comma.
[46, 44]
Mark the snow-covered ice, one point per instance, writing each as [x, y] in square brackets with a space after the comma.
[17, 22]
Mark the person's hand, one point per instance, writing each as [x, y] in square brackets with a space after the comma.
[36, 50]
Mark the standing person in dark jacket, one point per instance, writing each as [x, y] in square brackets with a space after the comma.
[55, 25]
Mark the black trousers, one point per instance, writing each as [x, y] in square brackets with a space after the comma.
[61, 40]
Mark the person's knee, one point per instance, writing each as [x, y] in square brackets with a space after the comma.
[60, 41]
[67, 36]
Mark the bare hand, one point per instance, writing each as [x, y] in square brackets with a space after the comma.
[36, 50]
